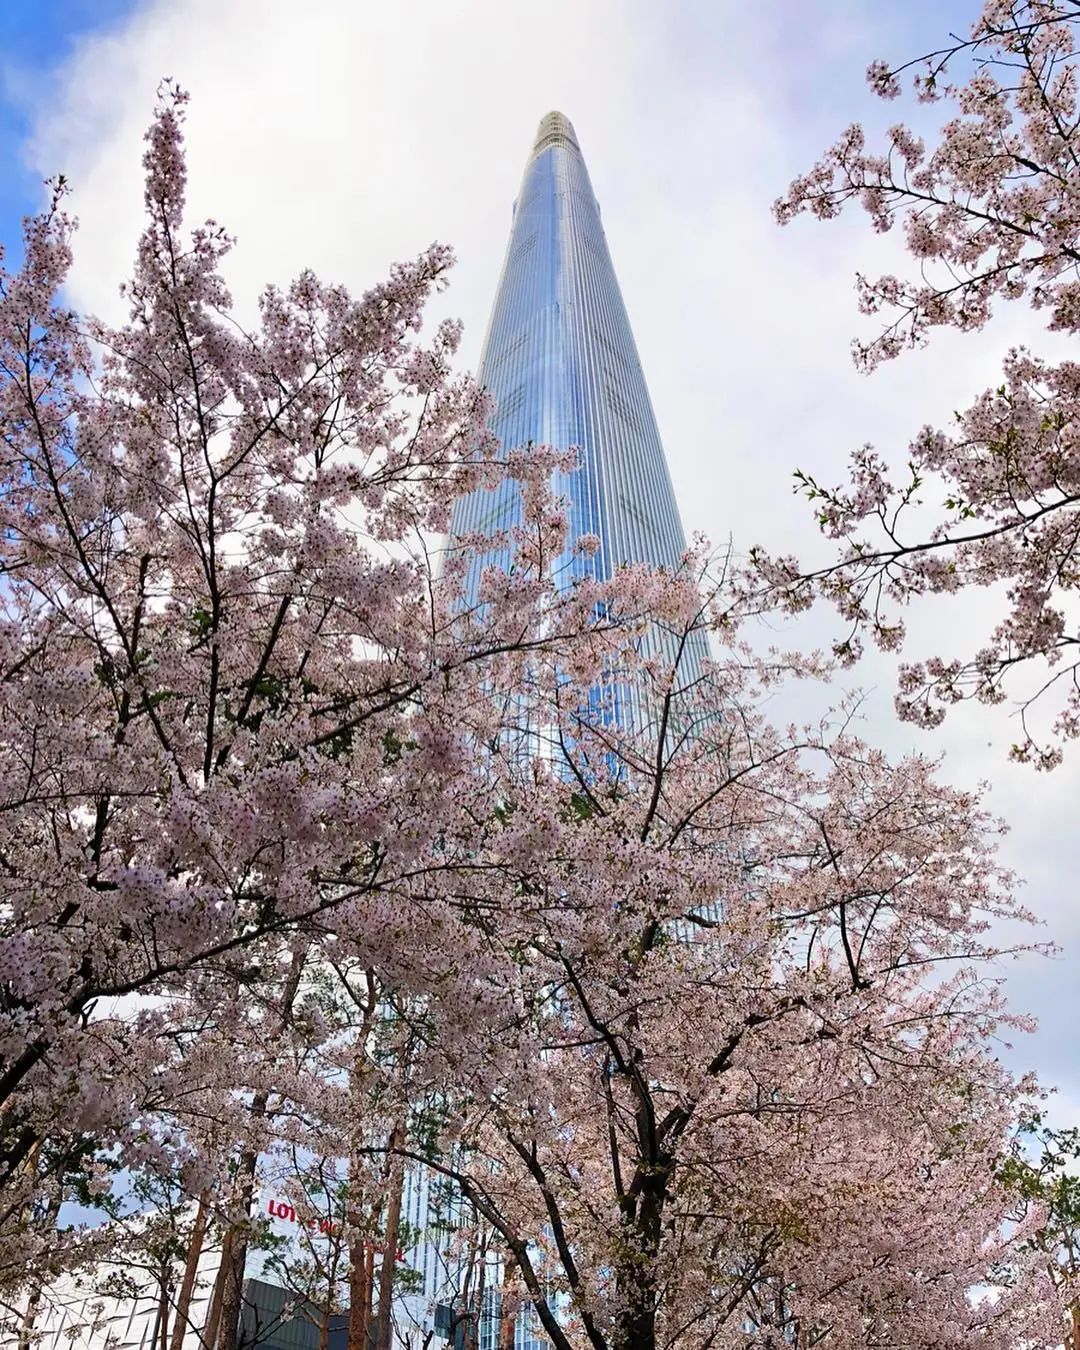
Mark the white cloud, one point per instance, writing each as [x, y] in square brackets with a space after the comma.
[346, 134]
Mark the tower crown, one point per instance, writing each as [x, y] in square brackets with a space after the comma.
[561, 366]
[555, 129]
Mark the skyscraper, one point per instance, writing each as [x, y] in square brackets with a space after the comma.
[561, 362]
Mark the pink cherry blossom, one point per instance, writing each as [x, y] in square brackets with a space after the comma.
[989, 214]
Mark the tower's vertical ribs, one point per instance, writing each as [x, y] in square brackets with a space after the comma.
[562, 364]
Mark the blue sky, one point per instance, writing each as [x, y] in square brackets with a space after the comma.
[37, 37]
[353, 135]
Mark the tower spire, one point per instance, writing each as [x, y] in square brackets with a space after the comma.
[555, 129]
[562, 365]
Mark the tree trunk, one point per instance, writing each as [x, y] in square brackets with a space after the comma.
[213, 1316]
[163, 1308]
[235, 1259]
[361, 1254]
[33, 1301]
[638, 1329]
[361, 1290]
[191, 1270]
[26, 1329]
[508, 1302]
[395, 1184]
[473, 1342]
[636, 1282]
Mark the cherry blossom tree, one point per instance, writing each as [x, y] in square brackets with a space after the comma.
[989, 214]
[693, 1012]
[1042, 1169]
[714, 1099]
[238, 707]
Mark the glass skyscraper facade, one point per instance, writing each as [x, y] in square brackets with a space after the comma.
[561, 362]
[562, 365]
